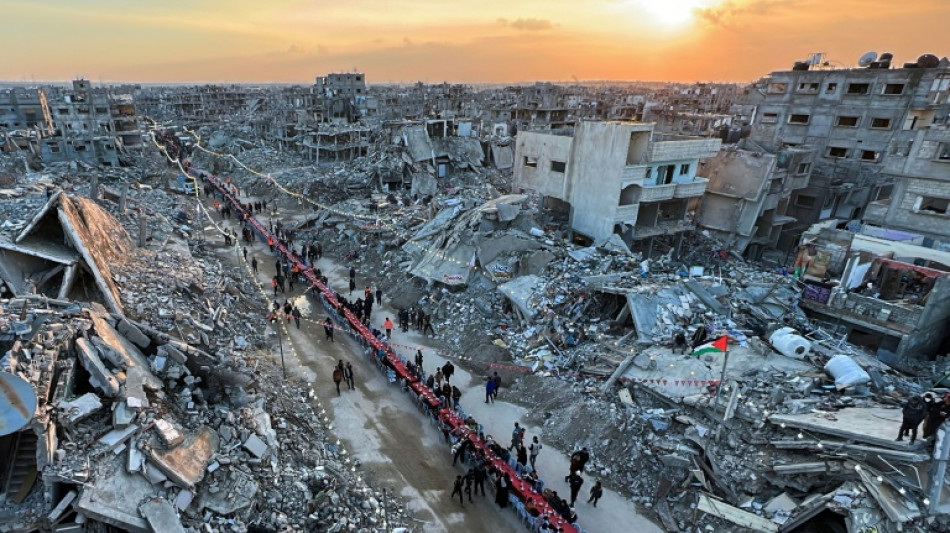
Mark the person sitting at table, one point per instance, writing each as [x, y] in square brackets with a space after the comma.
[532, 478]
[471, 423]
[532, 508]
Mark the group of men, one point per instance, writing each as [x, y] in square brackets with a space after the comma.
[924, 409]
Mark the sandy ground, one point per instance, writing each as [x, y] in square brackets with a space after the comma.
[399, 449]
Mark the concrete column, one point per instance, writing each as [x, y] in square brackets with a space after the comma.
[679, 243]
[938, 469]
[94, 187]
[649, 248]
[123, 197]
[143, 225]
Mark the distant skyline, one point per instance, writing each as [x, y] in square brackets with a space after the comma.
[487, 41]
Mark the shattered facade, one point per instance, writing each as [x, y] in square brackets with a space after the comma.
[616, 178]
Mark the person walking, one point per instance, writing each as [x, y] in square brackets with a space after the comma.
[489, 391]
[352, 286]
[517, 436]
[353, 274]
[427, 325]
[295, 312]
[457, 489]
[497, 379]
[469, 481]
[419, 359]
[576, 482]
[245, 253]
[273, 283]
[388, 326]
[579, 460]
[337, 378]
[447, 370]
[254, 264]
[348, 375]
[595, 493]
[438, 377]
[328, 329]
[379, 296]
[534, 449]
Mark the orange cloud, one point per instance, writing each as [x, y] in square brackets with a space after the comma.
[491, 40]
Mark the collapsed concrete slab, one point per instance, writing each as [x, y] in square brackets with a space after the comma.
[161, 516]
[851, 424]
[114, 498]
[89, 231]
[185, 463]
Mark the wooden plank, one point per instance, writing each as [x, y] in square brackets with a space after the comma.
[735, 515]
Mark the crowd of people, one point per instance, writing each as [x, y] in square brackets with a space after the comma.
[480, 470]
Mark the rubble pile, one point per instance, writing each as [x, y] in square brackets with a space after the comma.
[169, 416]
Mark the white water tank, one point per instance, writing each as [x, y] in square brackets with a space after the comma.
[789, 343]
[846, 372]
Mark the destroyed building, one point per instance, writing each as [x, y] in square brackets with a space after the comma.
[855, 119]
[81, 123]
[879, 289]
[616, 178]
[747, 196]
[920, 171]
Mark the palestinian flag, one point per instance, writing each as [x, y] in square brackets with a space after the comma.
[717, 346]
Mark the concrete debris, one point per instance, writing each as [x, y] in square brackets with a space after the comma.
[157, 411]
[598, 302]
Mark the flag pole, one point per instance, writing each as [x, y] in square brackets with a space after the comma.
[722, 376]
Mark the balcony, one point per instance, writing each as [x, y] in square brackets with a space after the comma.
[626, 213]
[695, 188]
[661, 228]
[658, 193]
[779, 220]
[687, 148]
[875, 212]
[633, 173]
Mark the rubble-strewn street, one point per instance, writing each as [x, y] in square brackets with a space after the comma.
[273, 309]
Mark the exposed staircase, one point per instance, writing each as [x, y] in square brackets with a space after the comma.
[22, 468]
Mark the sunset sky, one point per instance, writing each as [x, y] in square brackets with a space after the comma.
[452, 40]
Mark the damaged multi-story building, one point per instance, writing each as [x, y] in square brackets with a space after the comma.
[616, 178]
[746, 200]
[79, 123]
[877, 288]
[855, 119]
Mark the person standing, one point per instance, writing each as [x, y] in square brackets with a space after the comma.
[497, 379]
[438, 377]
[419, 359]
[337, 378]
[352, 285]
[522, 455]
[457, 489]
[328, 329]
[456, 396]
[502, 486]
[427, 325]
[576, 482]
[489, 391]
[481, 473]
[595, 493]
[447, 370]
[534, 449]
[254, 264]
[348, 375]
[388, 326]
[353, 274]
[379, 296]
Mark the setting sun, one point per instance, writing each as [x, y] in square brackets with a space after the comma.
[671, 13]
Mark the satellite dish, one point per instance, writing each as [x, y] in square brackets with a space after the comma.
[928, 61]
[867, 59]
[17, 403]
